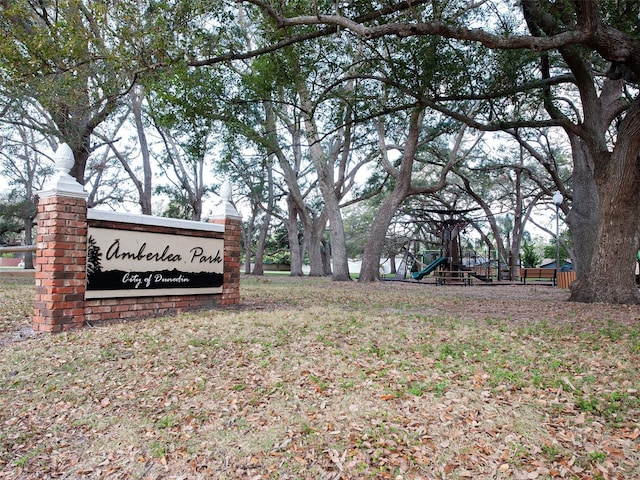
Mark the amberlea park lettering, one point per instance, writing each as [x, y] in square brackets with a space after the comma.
[196, 253]
[122, 263]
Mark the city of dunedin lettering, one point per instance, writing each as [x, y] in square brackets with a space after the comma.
[126, 263]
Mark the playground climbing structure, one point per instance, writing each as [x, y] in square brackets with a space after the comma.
[450, 258]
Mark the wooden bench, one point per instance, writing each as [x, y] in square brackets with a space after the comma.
[444, 277]
[538, 274]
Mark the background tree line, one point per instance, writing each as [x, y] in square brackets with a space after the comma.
[316, 110]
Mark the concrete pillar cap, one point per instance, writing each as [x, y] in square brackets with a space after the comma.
[62, 184]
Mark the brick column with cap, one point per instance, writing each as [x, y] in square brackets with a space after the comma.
[60, 267]
[227, 215]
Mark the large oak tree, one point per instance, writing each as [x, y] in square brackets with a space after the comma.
[79, 59]
[587, 35]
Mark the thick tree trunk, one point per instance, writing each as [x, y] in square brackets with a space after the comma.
[583, 217]
[326, 256]
[258, 268]
[295, 249]
[611, 278]
[313, 237]
[370, 268]
[340, 260]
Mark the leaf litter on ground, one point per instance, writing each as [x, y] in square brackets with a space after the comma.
[309, 378]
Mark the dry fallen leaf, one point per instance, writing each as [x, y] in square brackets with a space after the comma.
[309, 379]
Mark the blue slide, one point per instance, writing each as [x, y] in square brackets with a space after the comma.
[429, 268]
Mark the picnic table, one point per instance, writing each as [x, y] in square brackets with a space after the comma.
[448, 277]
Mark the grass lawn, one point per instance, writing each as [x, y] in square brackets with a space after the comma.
[315, 379]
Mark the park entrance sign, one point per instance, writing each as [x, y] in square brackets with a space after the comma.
[126, 262]
[93, 266]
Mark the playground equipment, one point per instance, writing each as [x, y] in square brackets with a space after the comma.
[448, 263]
[429, 268]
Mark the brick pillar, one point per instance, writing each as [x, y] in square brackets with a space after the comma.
[61, 250]
[228, 216]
